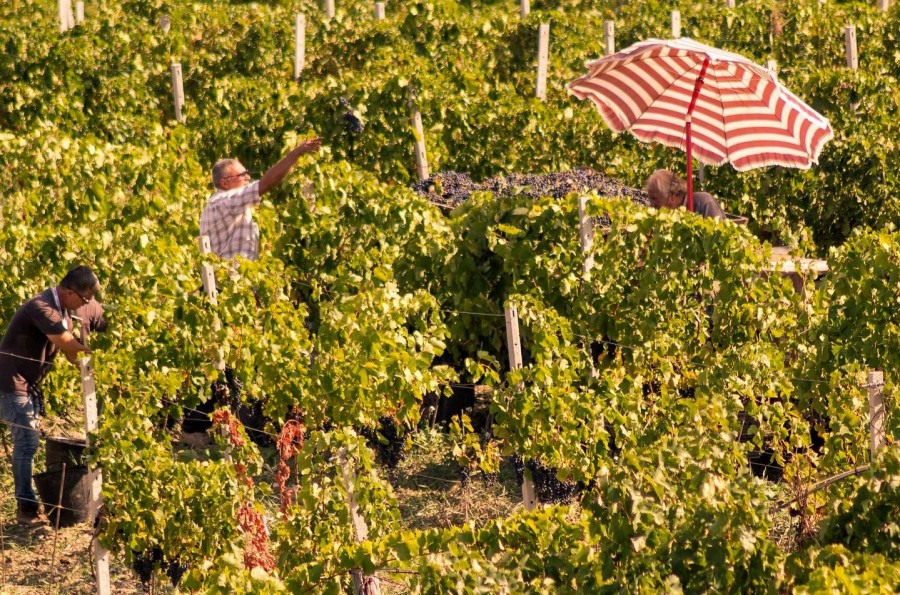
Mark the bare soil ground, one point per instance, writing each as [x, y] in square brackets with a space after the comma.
[427, 484]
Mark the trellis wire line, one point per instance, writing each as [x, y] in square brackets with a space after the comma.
[51, 504]
[474, 313]
[820, 485]
[270, 434]
[15, 425]
[434, 478]
[31, 359]
[186, 408]
[696, 363]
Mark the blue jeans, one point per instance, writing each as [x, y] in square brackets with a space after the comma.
[18, 410]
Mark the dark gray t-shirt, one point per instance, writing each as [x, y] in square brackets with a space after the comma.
[26, 353]
[705, 204]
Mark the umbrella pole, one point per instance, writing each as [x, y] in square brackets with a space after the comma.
[687, 131]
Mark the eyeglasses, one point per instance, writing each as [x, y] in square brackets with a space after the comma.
[83, 299]
[238, 175]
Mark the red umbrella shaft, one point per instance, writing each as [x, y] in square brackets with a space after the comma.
[687, 130]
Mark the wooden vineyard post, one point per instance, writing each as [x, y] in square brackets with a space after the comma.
[419, 140]
[177, 92]
[165, 23]
[729, 3]
[884, 5]
[514, 347]
[543, 57]
[208, 277]
[95, 476]
[609, 37]
[362, 584]
[524, 8]
[79, 12]
[299, 44]
[875, 387]
[587, 234]
[379, 11]
[676, 24]
[63, 6]
[70, 14]
[701, 173]
[850, 42]
[329, 9]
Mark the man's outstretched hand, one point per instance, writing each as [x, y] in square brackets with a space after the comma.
[310, 146]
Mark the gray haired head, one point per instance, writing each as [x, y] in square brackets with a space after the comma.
[662, 186]
[81, 279]
[219, 169]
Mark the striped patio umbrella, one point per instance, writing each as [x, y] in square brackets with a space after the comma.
[717, 106]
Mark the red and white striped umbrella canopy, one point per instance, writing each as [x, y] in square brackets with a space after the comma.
[742, 115]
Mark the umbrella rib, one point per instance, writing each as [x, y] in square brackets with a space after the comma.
[661, 94]
[722, 103]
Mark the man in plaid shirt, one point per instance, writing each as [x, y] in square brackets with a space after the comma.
[228, 216]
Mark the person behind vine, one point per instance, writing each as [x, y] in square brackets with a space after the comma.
[40, 329]
[668, 191]
[228, 216]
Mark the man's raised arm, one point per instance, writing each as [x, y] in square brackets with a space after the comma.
[279, 171]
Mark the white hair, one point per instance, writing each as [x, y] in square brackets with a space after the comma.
[218, 170]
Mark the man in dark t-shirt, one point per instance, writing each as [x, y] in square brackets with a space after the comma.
[668, 191]
[41, 328]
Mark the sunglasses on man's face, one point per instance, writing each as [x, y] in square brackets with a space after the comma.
[83, 299]
[238, 175]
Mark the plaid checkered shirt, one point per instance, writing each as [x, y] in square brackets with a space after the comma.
[228, 221]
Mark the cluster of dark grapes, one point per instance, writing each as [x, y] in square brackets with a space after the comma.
[547, 488]
[144, 563]
[390, 447]
[352, 124]
[450, 188]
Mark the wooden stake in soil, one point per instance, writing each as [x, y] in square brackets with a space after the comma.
[165, 23]
[609, 37]
[62, 485]
[419, 137]
[514, 348]
[329, 9]
[729, 3]
[524, 8]
[379, 11]
[362, 584]
[177, 92]
[100, 553]
[676, 24]
[543, 59]
[587, 234]
[2, 548]
[875, 387]
[79, 12]
[299, 44]
[850, 42]
[884, 5]
[208, 277]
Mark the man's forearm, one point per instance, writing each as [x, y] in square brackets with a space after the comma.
[71, 347]
[278, 172]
